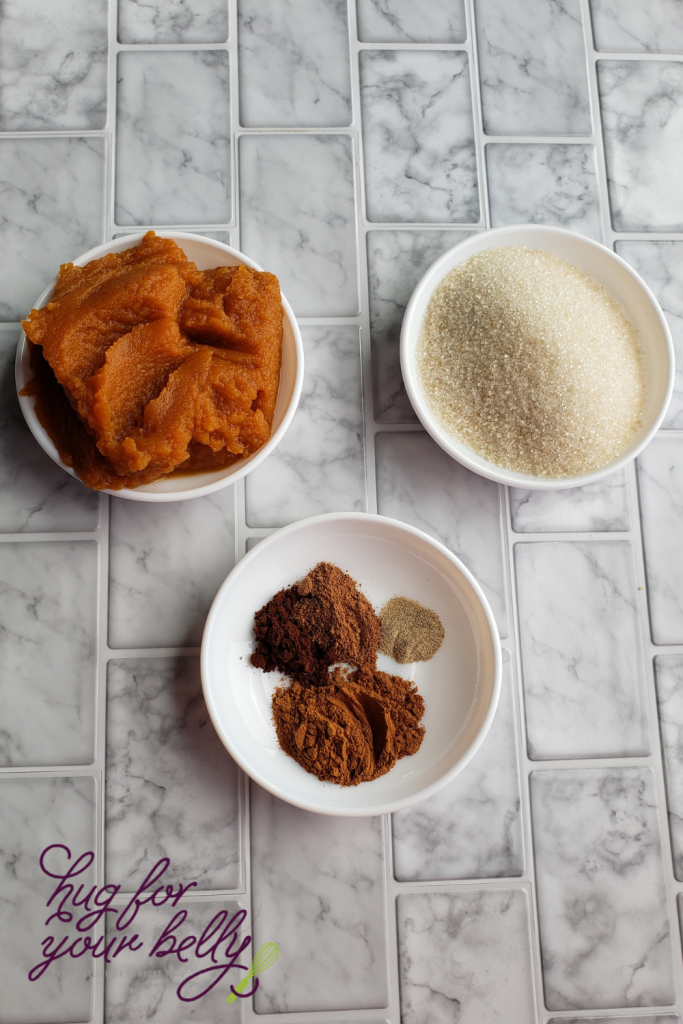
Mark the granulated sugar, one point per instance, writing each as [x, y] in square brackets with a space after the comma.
[531, 363]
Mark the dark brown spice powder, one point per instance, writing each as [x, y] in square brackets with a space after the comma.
[321, 621]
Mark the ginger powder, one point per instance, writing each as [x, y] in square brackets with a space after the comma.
[531, 363]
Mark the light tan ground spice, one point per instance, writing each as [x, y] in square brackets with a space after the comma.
[531, 363]
[409, 631]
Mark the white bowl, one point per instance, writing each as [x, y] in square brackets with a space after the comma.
[206, 253]
[605, 267]
[460, 685]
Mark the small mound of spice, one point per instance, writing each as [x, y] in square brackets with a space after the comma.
[349, 723]
[409, 631]
[321, 621]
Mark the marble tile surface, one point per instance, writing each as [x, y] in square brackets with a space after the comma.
[598, 507]
[463, 511]
[582, 661]
[655, 27]
[443, 975]
[660, 483]
[396, 262]
[601, 900]
[53, 74]
[37, 496]
[167, 561]
[402, 21]
[658, 1018]
[661, 266]
[48, 609]
[173, 128]
[418, 136]
[532, 67]
[172, 21]
[298, 218]
[317, 889]
[537, 184]
[140, 987]
[642, 116]
[35, 814]
[172, 790]
[471, 828]
[51, 211]
[669, 676]
[319, 465]
[294, 63]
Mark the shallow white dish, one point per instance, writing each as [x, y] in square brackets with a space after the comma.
[605, 267]
[460, 685]
[206, 253]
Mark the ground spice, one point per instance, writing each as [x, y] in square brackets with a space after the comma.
[409, 631]
[321, 621]
[352, 730]
[349, 723]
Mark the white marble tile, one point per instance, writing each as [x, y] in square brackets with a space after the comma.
[465, 957]
[319, 465]
[172, 789]
[173, 138]
[51, 211]
[655, 27]
[36, 496]
[167, 562]
[598, 507]
[298, 218]
[667, 1018]
[318, 892]
[669, 676]
[582, 662]
[53, 74]
[139, 987]
[471, 828]
[48, 601]
[35, 814]
[660, 483]
[661, 265]
[605, 933]
[173, 21]
[418, 136]
[396, 262]
[539, 184]
[532, 65]
[402, 21]
[421, 485]
[294, 63]
[642, 118]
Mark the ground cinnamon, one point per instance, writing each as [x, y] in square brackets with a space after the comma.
[352, 730]
[341, 718]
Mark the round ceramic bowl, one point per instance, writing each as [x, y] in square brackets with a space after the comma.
[206, 253]
[617, 278]
[460, 685]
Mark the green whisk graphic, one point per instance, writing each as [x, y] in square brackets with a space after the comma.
[266, 955]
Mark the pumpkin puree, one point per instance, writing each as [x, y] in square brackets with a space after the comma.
[145, 366]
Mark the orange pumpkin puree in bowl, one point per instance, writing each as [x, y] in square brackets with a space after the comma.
[145, 366]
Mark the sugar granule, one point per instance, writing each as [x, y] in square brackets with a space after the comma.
[531, 363]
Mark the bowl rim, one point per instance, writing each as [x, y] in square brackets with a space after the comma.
[492, 636]
[461, 452]
[27, 402]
